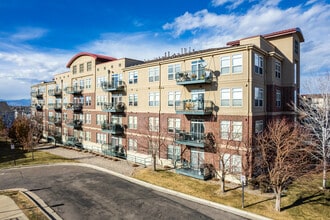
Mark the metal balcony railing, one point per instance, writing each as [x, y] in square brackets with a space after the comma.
[113, 86]
[76, 107]
[194, 107]
[75, 90]
[37, 94]
[55, 92]
[116, 129]
[190, 138]
[38, 107]
[113, 107]
[194, 77]
[114, 150]
[76, 123]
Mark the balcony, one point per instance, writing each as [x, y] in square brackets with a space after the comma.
[76, 124]
[38, 107]
[58, 107]
[76, 107]
[58, 121]
[190, 138]
[113, 86]
[190, 77]
[114, 150]
[55, 136]
[55, 92]
[194, 107]
[116, 129]
[37, 94]
[73, 141]
[75, 90]
[113, 107]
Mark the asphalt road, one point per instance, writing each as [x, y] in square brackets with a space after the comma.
[75, 192]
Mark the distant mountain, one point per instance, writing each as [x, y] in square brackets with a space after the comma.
[18, 102]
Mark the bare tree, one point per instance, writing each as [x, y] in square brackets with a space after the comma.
[314, 113]
[282, 155]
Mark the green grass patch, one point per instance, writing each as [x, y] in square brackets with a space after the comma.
[303, 200]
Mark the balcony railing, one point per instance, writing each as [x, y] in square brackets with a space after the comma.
[114, 150]
[37, 94]
[113, 107]
[113, 86]
[194, 107]
[55, 92]
[58, 121]
[194, 139]
[55, 106]
[75, 90]
[76, 107]
[76, 123]
[72, 141]
[196, 77]
[116, 129]
[37, 106]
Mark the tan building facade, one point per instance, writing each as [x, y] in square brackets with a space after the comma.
[185, 108]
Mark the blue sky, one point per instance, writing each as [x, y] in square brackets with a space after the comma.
[38, 37]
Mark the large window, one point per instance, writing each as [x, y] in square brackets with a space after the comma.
[88, 136]
[74, 69]
[225, 97]
[101, 138]
[278, 98]
[231, 130]
[173, 152]
[132, 122]
[258, 64]
[225, 64]
[237, 63]
[88, 118]
[259, 126]
[233, 163]
[89, 66]
[277, 69]
[258, 97]
[153, 74]
[132, 145]
[153, 124]
[237, 97]
[133, 77]
[100, 119]
[172, 70]
[88, 83]
[173, 124]
[154, 99]
[173, 98]
[81, 68]
[133, 100]
[88, 100]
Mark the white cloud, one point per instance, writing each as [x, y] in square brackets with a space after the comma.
[232, 4]
[28, 33]
[214, 30]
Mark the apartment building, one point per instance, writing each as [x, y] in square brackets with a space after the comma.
[182, 107]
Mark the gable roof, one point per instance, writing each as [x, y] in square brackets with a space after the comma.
[99, 57]
[272, 35]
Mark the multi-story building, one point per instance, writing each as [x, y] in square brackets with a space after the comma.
[182, 107]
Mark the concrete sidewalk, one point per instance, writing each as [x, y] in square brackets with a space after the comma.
[9, 209]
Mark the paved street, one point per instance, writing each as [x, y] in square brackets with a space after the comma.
[76, 192]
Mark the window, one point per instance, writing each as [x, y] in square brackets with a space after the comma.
[132, 122]
[100, 100]
[88, 118]
[154, 99]
[277, 69]
[237, 130]
[173, 152]
[133, 77]
[173, 98]
[173, 124]
[100, 80]
[81, 68]
[237, 95]
[237, 63]
[225, 97]
[278, 98]
[88, 83]
[173, 69]
[133, 100]
[258, 64]
[88, 136]
[89, 66]
[296, 46]
[225, 64]
[233, 163]
[81, 83]
[74, 69]
[132, 145]
[259, 126]
[100, 119]
[225, 129]
[153, 74]
[101, 138]
[153, 124]
[88, 100]
[258, 97]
